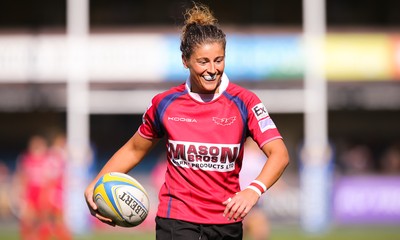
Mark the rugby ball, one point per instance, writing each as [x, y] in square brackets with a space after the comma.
[121, 198]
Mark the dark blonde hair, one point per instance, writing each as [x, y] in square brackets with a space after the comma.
[200, 27]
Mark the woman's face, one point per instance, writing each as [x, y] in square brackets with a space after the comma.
[206, 66]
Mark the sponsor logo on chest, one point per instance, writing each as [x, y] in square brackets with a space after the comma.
[203, 156]
[182, 119]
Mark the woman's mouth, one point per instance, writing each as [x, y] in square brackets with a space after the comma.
[210, 78]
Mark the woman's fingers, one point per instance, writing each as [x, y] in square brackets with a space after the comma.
[236, 208]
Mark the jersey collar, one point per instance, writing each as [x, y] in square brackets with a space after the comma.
[208, 97]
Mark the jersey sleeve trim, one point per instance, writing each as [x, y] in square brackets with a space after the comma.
[270, 140]
[143, 135]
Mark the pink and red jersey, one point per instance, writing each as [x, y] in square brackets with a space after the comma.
[204, 147]
[42, 178]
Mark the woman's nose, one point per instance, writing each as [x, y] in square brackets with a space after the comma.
[211, 69]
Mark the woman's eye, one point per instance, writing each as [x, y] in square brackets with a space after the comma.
[219, 60]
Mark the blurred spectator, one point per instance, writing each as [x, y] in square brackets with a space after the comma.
[390, 161]
[357, 160]
[4, 191]
[255, 224]
[39, 182]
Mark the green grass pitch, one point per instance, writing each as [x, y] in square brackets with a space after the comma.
[278, 233]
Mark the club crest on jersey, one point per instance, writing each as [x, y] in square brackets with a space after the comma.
[260, 111]
[224, 121]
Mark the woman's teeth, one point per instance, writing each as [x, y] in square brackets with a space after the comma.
[209, 78]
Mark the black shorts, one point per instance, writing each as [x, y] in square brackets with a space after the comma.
[172, 229]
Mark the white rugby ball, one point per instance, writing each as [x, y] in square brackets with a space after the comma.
[121, 198]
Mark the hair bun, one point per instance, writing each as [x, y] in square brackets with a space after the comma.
[199, 14]
[200, 26]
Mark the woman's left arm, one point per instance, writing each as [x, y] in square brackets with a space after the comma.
[278, 158]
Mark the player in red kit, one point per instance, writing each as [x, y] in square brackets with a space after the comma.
[205, 121]
[39, 179]
[33, 191]
[57, 164]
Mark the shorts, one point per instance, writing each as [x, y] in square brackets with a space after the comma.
[168, 229]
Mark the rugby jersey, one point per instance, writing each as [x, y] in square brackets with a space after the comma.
[204, 145]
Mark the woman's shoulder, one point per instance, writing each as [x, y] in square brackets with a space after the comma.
[239, 91]
[173, 91]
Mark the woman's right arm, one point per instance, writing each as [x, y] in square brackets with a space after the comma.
[126, 158]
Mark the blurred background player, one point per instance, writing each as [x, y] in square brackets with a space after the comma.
[57, 167]
[255, 225]
[38, 179]
[31, 182]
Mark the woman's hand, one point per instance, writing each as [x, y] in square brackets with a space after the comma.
[126, 158]
[239, 205]
[93, 207]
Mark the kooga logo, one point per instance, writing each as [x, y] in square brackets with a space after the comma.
[182, 119]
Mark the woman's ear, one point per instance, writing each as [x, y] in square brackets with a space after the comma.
[184, 62]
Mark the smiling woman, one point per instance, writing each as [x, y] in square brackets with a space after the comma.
[205, 121]
[206, 66]
[203, 50]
